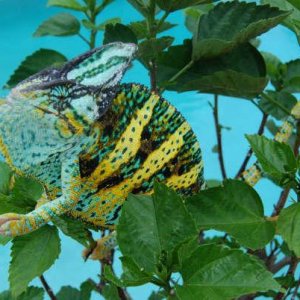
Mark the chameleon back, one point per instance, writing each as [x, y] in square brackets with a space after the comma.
[140, 139]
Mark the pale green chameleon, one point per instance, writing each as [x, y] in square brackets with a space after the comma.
[91, 141]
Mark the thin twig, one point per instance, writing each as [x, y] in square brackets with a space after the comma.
[219, 136]
[250, 151]
[282, 263]
[153, 73]
[84, 39]
[47, 288]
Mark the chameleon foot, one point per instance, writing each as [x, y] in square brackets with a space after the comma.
[102, 250]
[13, 225]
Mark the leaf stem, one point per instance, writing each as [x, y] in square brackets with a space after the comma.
[183, 70]
[84, 39]
[219, 136]
[250, 151]
[162, 20]
[47, 288]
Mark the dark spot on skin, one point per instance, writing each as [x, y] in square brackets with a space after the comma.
[88, 166]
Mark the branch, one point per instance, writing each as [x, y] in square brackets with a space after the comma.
[291, 271]
[282, 263]
[250, 151]
[219, 136]
[47, 288]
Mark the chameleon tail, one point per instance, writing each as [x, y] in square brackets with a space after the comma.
[252, 175]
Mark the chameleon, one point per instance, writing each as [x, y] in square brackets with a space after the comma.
[90, 141]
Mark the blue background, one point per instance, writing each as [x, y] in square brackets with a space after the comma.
[19, 19]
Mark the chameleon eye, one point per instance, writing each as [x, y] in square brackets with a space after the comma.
[60, 97]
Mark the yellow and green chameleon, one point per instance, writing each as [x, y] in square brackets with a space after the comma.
[91, 140]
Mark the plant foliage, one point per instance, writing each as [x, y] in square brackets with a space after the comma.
[166, 239]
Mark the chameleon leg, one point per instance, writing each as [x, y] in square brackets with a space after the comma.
[103, 248]
[12, 224]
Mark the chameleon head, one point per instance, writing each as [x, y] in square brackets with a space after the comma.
[83, 88]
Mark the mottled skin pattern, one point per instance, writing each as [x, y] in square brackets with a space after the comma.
[91, 141]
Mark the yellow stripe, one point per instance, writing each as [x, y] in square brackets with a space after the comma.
[185, 180]
[117, 194]
[133, 132]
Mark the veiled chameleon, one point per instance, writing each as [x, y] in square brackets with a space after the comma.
[90, 141]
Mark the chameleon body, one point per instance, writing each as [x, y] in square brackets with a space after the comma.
[91, 141]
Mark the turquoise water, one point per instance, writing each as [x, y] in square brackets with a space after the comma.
[19, 19]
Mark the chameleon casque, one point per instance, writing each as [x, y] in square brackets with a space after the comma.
[91, 141]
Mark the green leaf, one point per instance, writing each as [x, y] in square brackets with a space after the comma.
[288, 227]
[160, 222]
[287, 281]
[6, 295]
[86, 289]
[213, 183]
[67, 293]
[4, 240]
[193, 15]
[157, 296]
[32, 293]
[22, 197]
[74, 229]
[112, 278]
[172, 5]
[240, 73]
[132, 274]
[5, 176]
[275, 69]
[272, 103]
[34, 63]
[291, 78]
[142, 6]
[151, 48]
[293, 20]
[215, 272]
[230, 24]
[112, 21]
[71, 4]
[221, 208]
[277, 159]
[89, 25]
[62, 24]
[32, 255]
[110, 292]
[140, 29]
[119, 33]
[295, 3]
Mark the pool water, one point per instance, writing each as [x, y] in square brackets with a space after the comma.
[18, 21]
